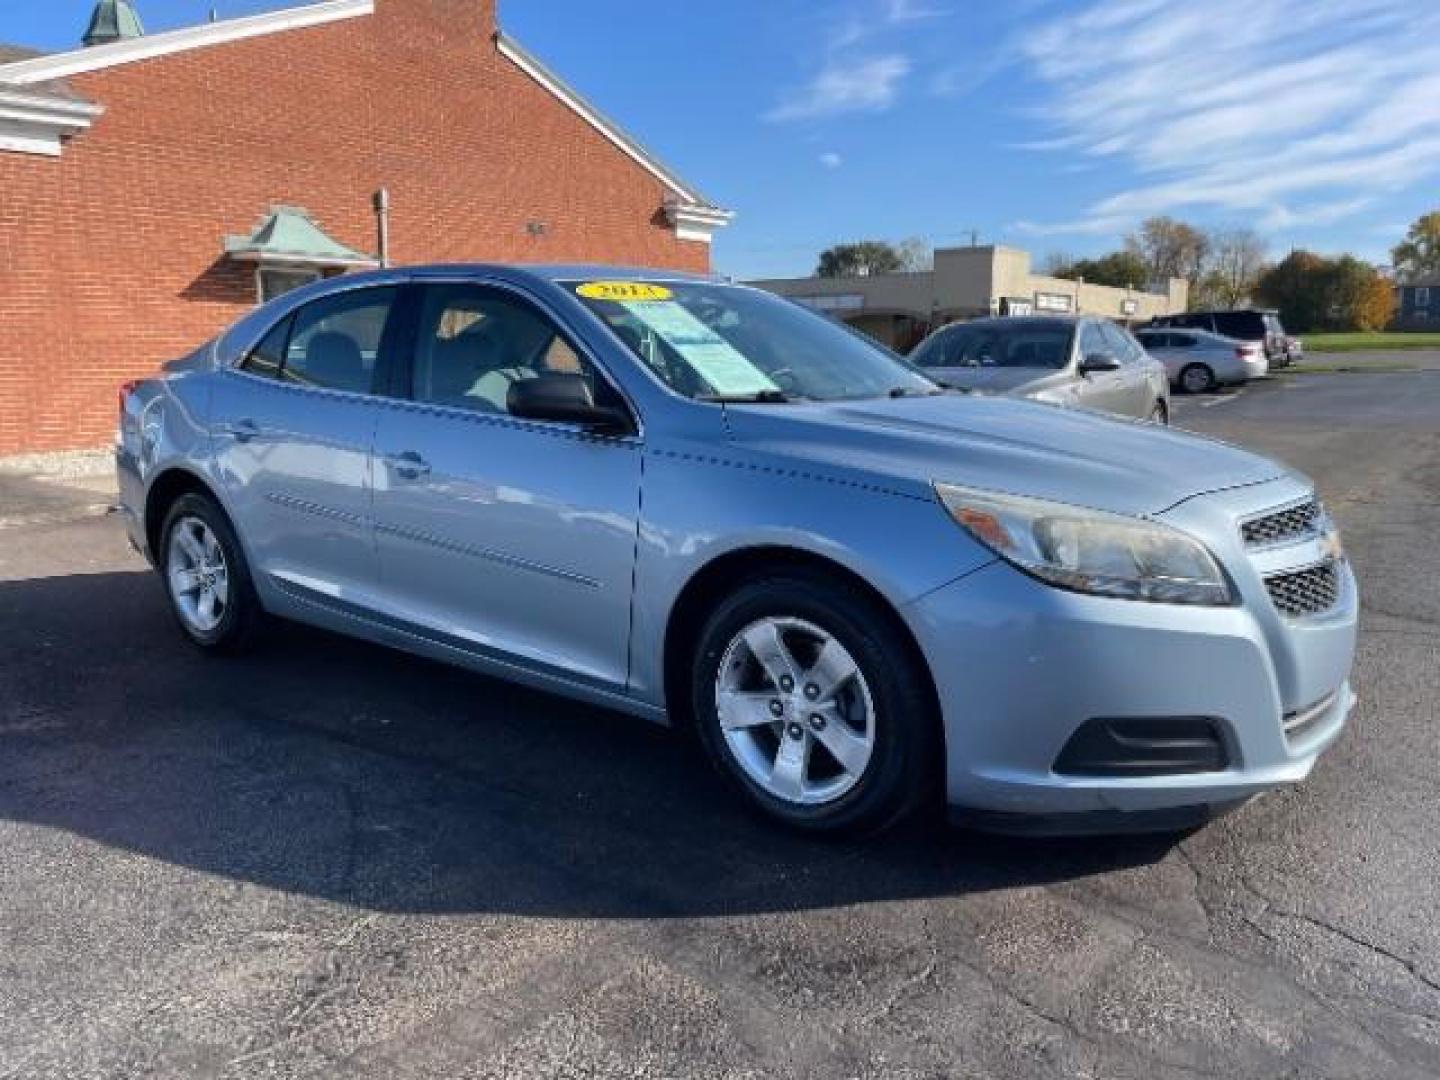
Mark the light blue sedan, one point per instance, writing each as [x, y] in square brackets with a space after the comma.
[701, 504]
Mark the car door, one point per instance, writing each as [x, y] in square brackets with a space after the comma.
[510, 539]
[291, 430]
[1135, 392]
[1103, 390]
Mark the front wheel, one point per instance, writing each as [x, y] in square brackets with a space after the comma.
[808, 701]
[1160, 414]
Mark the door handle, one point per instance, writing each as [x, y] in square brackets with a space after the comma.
[408, 465]
[241, 430]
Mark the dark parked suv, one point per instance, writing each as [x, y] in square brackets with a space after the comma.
[1247, 324]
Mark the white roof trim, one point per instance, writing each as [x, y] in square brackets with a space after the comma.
[529, 64]
[38, 124]
[695, 222]
[79, 61]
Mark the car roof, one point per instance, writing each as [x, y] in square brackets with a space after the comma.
[564, 271]
[1020, 322]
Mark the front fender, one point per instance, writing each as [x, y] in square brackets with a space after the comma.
[904, 546]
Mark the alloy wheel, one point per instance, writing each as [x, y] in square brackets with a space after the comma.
[198, 576]
[795, 711]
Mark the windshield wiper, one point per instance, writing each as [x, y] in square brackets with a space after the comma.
[759, 397]
[914, 391]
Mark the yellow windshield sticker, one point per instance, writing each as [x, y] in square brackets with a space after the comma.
[622, 290]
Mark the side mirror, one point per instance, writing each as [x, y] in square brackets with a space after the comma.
[1098, 361]
[567, 398]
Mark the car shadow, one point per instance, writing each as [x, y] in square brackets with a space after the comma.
[331, 768]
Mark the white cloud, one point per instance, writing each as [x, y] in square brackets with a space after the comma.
[831, 160]
[868, 84]
[1291, 111]
[903, 11]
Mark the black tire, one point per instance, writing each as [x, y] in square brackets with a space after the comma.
[905, 765]
[242, 616]
[1199, 387]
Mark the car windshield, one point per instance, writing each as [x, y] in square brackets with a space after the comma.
[730, 343]
[1029, 344]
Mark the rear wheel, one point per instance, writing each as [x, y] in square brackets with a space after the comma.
[1197, 379]
[206, 577]
[808, 702]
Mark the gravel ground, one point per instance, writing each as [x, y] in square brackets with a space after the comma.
[332, 860]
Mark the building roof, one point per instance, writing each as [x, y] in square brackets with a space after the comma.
[52, 88]
[288, 235]
[113, 20]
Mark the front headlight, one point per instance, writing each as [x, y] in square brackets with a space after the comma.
[1090, 551]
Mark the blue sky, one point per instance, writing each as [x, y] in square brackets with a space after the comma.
[1050, 124]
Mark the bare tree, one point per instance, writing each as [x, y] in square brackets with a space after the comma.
[1236, 257]
[915, 254]
[1057, 263]
[1169, 248]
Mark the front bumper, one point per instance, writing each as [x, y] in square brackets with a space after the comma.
[1020, 667]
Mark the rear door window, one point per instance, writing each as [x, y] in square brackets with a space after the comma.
[335, 342]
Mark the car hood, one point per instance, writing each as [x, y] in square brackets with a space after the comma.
[1001, 444]
[1004, 380]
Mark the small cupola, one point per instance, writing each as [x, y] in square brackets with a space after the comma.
[113, 20]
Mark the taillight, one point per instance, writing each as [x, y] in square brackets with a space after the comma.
[126, 389]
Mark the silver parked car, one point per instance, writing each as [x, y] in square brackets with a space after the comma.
[1197, 360]
[1063, 360]
[701, 504]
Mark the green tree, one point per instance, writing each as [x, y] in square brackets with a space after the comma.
[1120, 269]
[859, 260]
[1418, 255]
[1315, 293]
[1299, 286]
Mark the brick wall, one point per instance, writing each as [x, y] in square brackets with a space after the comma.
[110, 255]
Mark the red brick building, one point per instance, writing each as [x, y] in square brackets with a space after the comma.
[140, 176]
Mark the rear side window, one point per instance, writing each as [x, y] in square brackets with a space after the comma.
[267, 358]
[1182, 341]
[1246, 325]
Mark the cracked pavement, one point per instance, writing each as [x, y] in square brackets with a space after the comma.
[332, 860]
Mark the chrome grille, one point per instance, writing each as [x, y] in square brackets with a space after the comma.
[1298, 522]
[1305, 592]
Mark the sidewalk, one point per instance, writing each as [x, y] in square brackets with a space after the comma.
[55, 488]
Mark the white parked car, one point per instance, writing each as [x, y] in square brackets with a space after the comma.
[1197, 360]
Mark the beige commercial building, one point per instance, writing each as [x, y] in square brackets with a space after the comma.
[968, 282]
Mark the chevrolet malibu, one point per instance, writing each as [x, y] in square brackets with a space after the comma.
[701, 504]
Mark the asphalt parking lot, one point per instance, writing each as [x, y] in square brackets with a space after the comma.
[332, 860]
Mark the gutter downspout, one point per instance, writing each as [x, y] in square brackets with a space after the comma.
[381, 202]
